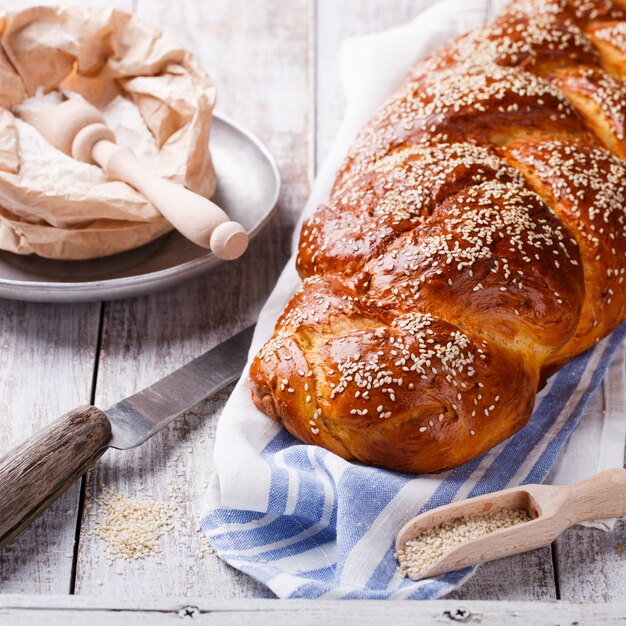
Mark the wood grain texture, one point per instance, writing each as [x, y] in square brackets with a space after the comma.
[591, 563]
[259, 55]
[528, 576]
[336, 20]
[38, 471]
[47, 369]
[47, 366]
[601, 577]
[67, 611]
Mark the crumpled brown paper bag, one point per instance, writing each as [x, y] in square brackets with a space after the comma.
[99, 53]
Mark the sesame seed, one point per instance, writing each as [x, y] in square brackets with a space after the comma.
[432, 544]
[131, 528]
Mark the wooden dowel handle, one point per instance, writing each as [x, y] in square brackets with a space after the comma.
[78, 128]
[196, 217]
[602, 496]
[37, 472]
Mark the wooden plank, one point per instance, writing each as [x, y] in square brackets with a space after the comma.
[591, 563]
[47, 367]
[67, 611]
[528, 576]
[336, 20]
[258, 54]
[50, 351]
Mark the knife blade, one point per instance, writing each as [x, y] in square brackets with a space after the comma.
[34, 474]
[138, 417]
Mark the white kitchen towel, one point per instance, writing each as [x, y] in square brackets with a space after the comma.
[309, 524]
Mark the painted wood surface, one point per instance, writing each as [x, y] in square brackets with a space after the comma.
[275, 68]
[48, 358]
[71, 610]
[49, 351]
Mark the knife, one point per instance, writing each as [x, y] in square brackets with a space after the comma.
[37, 472]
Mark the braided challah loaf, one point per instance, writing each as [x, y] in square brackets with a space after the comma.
[474, 242]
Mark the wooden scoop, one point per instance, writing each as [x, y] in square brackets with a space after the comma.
[78, 129]
[551, 509]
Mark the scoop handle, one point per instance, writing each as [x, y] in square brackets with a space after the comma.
[601, 496]
[196, 217]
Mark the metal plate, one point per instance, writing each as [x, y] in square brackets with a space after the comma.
[247, 189]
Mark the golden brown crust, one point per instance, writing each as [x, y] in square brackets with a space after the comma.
[586, 188]
[459, 104]
[396, 195]
[474, 241]
[493, 259]
[410, 392]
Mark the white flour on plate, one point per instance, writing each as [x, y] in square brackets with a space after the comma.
[49, 170]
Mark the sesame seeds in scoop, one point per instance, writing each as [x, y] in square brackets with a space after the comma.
[433, 544]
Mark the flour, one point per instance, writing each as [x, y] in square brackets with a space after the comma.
[48, 170]
[124, 119]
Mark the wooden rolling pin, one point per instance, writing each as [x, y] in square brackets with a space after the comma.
[550, 509]
[78, 129]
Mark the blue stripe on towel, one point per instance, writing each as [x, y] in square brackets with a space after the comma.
[332, 523]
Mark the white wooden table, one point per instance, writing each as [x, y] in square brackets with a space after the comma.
[275, 67]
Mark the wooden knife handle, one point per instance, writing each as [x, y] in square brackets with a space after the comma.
[37, 472]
